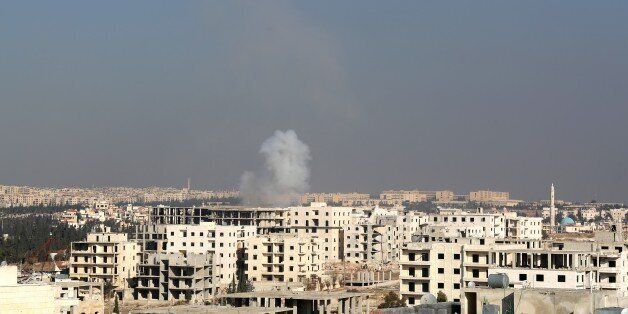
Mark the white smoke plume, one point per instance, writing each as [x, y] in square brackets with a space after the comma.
[285, 174]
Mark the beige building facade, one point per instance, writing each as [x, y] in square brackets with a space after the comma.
[104, 256]
[283, 258]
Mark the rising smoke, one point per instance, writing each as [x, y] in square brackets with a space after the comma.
[285, 174]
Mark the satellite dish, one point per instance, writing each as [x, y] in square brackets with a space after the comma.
[428, 299]
[471, 284]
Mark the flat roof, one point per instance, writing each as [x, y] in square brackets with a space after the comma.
[212, 309]
[303, 295]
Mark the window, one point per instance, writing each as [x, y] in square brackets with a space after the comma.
[456, 256]
[476, 273]
[411, 257]
[411, 271]
[441, 285]
[540, 277]
[456, 286]
[426, 287]
[475, 258]
[456, 271]
[561, 278]
[425, 272]
[441, 270]
[523, 277]
[441, 256]
[411, 286]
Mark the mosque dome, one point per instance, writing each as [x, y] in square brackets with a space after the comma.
[567, 221]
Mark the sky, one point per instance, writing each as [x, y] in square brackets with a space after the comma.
[464, 95]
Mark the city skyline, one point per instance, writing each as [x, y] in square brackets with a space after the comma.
[461, 96]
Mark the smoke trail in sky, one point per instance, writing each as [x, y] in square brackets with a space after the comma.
[285, 174]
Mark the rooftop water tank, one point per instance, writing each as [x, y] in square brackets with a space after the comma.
[611, 310]
[498, 281]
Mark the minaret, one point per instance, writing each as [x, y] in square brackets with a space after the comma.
[552, 209]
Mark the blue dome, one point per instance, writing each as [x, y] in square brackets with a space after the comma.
[567, 221]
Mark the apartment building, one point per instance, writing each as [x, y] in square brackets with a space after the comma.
[344, 199]
[460, 223]
[207, 237]
[377, 235]
[267, 220]
[488, 196]
[432, 267]
[590, 213]
[321, 221]
[398, 197]
[308, 198]
[445, 196]
[175, 277]
[524, 227]
[408, 225]
[283, 258]
[104, 256]
[363, 242]
[449, 264]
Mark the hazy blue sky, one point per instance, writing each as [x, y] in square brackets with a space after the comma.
[387, 94]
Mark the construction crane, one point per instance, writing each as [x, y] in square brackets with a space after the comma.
[33, 256]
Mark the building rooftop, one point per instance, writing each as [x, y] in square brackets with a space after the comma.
[302, 295]
[210, 309]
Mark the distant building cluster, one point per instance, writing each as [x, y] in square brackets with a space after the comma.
[400, 197]
[102, 211]
[14, 196]
[281, 259]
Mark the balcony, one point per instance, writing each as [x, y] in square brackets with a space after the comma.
[416, 262]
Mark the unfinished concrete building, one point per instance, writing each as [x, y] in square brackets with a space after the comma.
[175, 276]
[104, 256]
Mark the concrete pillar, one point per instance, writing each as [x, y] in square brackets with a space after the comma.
[351, 305]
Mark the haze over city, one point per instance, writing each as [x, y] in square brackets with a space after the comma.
[495, 95]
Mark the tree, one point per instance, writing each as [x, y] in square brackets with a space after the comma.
[233, 288]
[579, 217]
[441, 297]
[391, 300]
[245, 286]
[116, 308]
